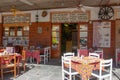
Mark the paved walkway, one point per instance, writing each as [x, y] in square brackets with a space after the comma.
[48, 72]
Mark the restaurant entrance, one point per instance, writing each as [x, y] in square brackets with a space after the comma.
[69, 37]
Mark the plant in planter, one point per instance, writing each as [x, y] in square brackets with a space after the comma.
[54, 42]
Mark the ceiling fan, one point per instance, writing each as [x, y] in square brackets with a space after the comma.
[83, 8]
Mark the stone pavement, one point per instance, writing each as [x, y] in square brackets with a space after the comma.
[51, 71]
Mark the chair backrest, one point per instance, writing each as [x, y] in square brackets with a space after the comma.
[32, 48]
[69, 54]
[25, 48]
[8, 62]
[107, 65]
[83, 52]
[94, 55]
[47, 51]
[66, 63]
[100, 52]
[6, 59]
[23, 54]
[10, 49]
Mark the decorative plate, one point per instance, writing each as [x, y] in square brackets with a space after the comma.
[44, 13]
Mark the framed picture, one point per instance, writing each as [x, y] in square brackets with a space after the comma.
[39, 29]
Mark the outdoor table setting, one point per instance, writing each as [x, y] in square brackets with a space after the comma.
[85, 65]
[18, 56]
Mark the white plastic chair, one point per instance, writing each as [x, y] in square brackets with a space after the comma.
[69, 54]
[49, 52]
[67, 72]
[106, 72]
[99, 52]
[94, 55]
[44, 57]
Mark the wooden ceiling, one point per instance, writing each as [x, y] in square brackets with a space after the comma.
[26, 5]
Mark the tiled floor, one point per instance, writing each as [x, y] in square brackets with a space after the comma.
[51, 71]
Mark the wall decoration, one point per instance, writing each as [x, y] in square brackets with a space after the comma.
[17, 18]
[101, 34]
[23, 41]
[39, 29]
[44, 13]
[59, 17]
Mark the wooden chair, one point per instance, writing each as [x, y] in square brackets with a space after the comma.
[8, 64]
[23, 61]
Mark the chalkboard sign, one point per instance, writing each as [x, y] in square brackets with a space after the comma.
[70, 17]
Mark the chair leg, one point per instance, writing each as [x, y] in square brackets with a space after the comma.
[14, 71]
[24, 66]
[2, 74]
[70, 77]
[18, 71]
[31, 61]
[73, 77]
[111, 77]
[44, 60]
[62, 75]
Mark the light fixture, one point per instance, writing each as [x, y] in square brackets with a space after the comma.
[37, 17]
[27, 2]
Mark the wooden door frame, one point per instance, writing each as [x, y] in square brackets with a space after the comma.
[58, 51]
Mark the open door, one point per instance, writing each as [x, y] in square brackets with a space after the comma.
[69, 37]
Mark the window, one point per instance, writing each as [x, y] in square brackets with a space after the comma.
[55, 36]
[12, 31]
[83, 36]
[19, 31]
[26, 30]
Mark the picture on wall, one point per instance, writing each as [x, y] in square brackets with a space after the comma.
[101, 34]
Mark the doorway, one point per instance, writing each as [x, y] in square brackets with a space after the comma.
[69, 35]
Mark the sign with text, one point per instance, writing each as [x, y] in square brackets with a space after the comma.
[70, 17]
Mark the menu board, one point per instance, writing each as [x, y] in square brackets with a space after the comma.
[70, 17]
[101, 34]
